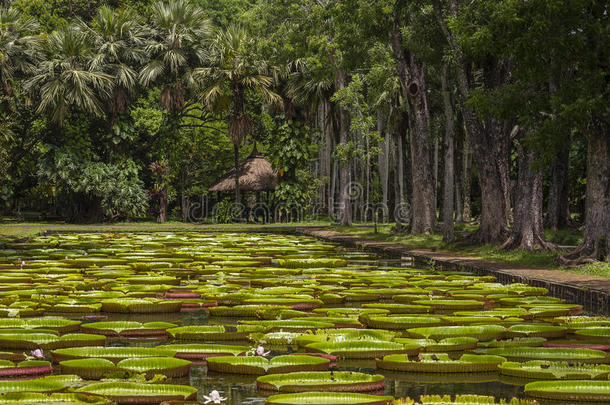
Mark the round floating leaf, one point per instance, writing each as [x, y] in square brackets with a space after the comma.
[290, 325]
[548, 370]
[551, 354]
[399, 322]
[537, 330]
[470, 400]
[441, 363]
[24, 368]
[196, 351]
[328, 398]
[91, 369]
[139, 305]
[29, 398]
[130, 393]
[443, 345]
[128, 328]
[395, 308]
[515, 342]
[338, 335]
[209, 332]
[38, 385]
[26, 341]
[311, 263]
[259, 365]
[339, 381]
[168, 366]
[276, 338]
[451, 304]
[362, 349]
[601, 334]
[575, 390]
[245, 311]
[110, 353]
[482, 332]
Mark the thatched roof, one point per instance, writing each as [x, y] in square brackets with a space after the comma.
[255, 174]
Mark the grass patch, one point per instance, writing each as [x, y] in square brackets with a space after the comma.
[592, 269]
[537, 259]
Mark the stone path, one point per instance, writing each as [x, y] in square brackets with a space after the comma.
[593, 293]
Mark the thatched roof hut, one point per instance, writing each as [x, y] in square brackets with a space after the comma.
[255, 174]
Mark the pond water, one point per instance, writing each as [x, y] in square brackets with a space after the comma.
[46, 275]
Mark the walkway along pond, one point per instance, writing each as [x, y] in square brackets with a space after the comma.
[278, 319]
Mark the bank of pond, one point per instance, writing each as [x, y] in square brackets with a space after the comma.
[178, 318]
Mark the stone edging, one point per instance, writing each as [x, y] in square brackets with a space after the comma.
[593, 293]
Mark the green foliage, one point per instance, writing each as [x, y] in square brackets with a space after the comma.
[53, 14]
[226, 211]
[115, 187]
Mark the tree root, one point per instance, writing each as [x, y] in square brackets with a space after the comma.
[514, 242]
[588, 252]
[481, 238]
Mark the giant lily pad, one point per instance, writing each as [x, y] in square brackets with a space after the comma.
[340, 381]
[441, 363]
[137, 393]
[197, 351]
[29, 398]
[482, 332]
[259, 365]
[114, 354]
[548, 370]
[328, 398]
[576, 390]
[551, 354]
[362, 349]
[128, 328]
[167, 366]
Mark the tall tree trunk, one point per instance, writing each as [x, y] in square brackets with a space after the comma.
[557, 211]
[596, 244]
[459, 163]
[448, 178]
[436, 179]
[383, 159]
[344, 167]
[527, 232]
[333, 189]
[466, 179]
[236, 161]
[490, 144]
[412, 77]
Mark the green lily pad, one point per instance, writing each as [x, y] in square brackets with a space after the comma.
[128, 392]
[259, 365]
[328, 398]
[441, 363]
[362, 349]
[341, 381]
[575, 390]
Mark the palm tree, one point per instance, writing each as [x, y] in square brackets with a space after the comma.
[232, 70]
[65, 78]
[179, 29]
[16, 50]
[118, 40]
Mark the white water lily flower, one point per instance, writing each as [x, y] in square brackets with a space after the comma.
[214, 397]
[38, 353]
[12, 313]
[260, 351]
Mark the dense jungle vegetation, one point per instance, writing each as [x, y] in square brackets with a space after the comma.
[423, 113]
